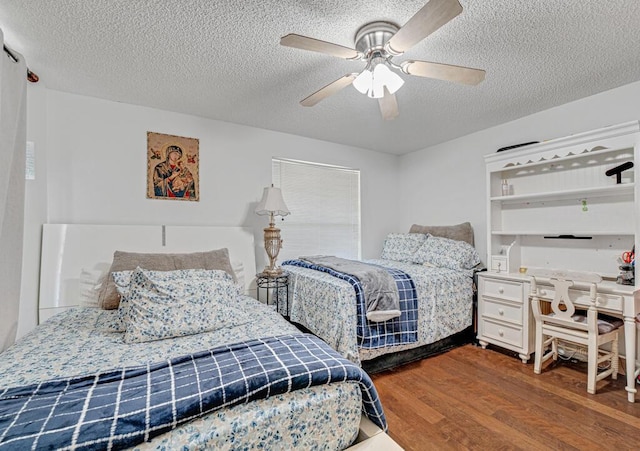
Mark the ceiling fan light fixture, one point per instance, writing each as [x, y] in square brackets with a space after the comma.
[384, 77]
[364, 81]
[373, 83]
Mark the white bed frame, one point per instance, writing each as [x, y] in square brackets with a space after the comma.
[69, 248]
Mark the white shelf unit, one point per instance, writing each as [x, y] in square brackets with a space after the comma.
[561, 209]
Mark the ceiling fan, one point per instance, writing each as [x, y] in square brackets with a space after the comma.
[376, 43]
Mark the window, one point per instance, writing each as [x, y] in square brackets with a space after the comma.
[324, 202]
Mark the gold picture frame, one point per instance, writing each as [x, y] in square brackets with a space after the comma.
[172, 167]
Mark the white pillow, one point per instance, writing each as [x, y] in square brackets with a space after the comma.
[89, 285]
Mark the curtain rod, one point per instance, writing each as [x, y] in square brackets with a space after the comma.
[31, 76]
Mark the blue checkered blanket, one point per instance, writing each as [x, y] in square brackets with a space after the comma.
[371, 335]
[119, 409]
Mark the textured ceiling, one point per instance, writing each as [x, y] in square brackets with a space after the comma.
[221, 59]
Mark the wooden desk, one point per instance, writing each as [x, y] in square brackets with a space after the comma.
[617, 300]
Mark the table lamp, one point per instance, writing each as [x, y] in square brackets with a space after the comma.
[272, 204]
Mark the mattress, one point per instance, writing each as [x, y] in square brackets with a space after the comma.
[80, 341]
[326, 306]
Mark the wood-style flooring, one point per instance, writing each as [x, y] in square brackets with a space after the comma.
[482, 399]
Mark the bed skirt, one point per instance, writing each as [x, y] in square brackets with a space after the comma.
[396, 359]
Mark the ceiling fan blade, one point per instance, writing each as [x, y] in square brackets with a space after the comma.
[432, 16]
[448, 72]
[388, 105]
[315, 45]
[329, 90]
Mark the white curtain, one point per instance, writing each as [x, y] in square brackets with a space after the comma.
[13, 118]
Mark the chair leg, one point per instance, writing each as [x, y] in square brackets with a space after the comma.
[592, 356]
[537, 366]
[615, 361]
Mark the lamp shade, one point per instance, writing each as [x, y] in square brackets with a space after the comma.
[272, 203]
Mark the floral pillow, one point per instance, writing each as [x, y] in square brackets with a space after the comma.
[446, 253]
[400, 247]
[165, 304]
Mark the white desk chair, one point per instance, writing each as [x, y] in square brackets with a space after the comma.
[587, 329]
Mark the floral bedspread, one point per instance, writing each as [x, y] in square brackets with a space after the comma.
[372, 334]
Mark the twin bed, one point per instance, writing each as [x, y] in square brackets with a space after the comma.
[135, 376]
[82, 351]
[440, 261]
[74, 343]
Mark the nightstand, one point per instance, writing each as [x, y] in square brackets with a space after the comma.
[275, 288]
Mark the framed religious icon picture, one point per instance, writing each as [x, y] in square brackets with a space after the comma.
[172, 167]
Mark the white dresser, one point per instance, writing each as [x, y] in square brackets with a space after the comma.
[504, 316]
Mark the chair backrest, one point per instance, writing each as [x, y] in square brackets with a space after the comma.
[562, 280]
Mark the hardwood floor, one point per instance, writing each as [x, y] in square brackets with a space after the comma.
[474, 398]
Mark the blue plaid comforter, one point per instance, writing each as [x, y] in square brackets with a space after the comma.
[119, 409]
[370, 334]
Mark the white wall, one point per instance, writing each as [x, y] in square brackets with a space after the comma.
[95, 157]
[91, 168]
[445, 184]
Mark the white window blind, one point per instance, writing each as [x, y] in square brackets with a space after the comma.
[324, 202]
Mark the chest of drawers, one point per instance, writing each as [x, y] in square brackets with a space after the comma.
[504, 317]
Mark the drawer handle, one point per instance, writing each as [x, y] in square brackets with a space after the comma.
[501, 332]
[543, 292]
[500, 290]
[501, 311]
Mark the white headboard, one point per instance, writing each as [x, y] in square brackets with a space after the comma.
[69, 248]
